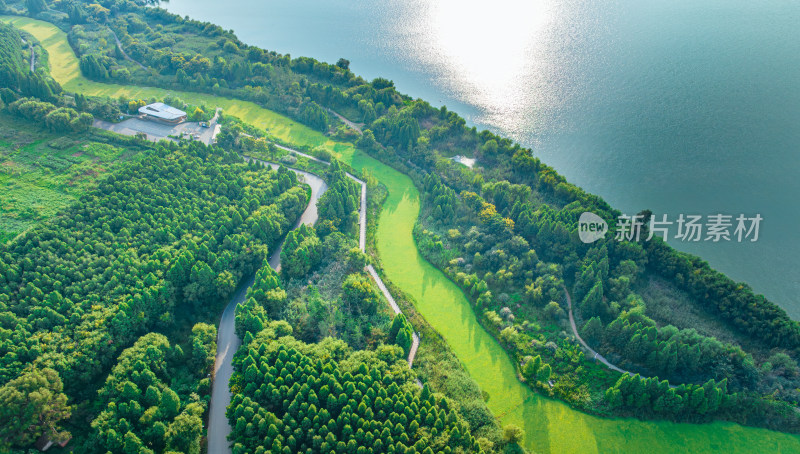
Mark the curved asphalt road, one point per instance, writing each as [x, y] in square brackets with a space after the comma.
[227, 341]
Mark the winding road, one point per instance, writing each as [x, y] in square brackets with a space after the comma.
[227, 340]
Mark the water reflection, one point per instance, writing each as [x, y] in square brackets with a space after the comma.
[488, 55]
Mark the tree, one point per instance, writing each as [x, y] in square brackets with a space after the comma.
[35, 6]
[513, 433]
[197, 114]
[593, 330]
[170, 403]
[358, 293]
[183, 434]
[553, 310]
[367, 141]
[204, 346]
[77, 15]
[509, 335]
[530, 368]
[301, 251]
[543, 374]
[343, 63]
[31, 405]
[356, 260]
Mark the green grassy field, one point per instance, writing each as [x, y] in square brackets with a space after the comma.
[42, 173]
[65, 70]
[550, 426]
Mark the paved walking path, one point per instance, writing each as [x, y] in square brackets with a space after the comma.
[362, 244]
[33, 58]
[33, 54]
[350, 124]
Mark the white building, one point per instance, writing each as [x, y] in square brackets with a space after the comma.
[159, 111]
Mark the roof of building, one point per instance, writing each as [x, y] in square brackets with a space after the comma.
[161, 110]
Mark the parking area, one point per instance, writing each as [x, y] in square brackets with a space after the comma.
[157, 131]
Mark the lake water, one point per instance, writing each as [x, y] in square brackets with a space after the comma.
[677, 106]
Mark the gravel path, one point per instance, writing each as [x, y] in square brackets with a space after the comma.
[350, 124]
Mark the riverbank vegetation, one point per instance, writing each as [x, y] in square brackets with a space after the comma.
[509, 238]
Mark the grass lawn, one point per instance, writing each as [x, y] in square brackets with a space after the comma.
[65, 70]
[42, 173]
[550, 426]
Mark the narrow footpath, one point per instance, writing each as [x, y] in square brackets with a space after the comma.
[362, 244]
[350, 124]
[125, 54]
[595, 355]
[33, 54]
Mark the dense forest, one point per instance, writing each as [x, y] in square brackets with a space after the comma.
[168, 235]
[325, 397]
[80, 290]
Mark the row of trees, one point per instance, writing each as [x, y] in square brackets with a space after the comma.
[402, 332]
[56, 119]
[681, 356]
[338, 207]
[634, 394]
[735, 302]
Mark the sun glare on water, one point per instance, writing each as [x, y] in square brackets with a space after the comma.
[488, 54]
